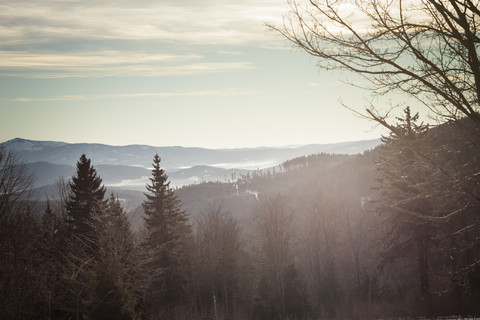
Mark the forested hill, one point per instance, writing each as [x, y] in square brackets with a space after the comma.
[345, 177]
[342, 176]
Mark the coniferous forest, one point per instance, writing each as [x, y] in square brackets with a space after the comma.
[388, 233]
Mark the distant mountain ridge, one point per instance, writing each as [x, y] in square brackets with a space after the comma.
[173, 158]
[128, 166]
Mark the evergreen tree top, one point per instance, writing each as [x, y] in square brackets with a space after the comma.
[407, 127]
[159, 177]
[86, 180]
[87, 195]
[157, 189]
[161, 205]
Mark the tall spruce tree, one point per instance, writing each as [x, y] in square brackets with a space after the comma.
[84, 208]
[405, 201]
[86, 197]
[165, 245]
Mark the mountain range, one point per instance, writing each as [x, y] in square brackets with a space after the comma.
[127, 167]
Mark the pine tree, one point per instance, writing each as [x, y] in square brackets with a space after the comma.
[81, 249]
[86, 197]
[405, 203]
[165, 244]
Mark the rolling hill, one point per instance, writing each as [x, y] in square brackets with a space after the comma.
[127, 166]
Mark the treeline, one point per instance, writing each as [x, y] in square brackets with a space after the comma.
[320, 159]
[330, 247]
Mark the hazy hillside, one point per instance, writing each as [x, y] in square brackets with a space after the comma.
[48, 173]
[345, 176]
[126, 167]
[173, 158]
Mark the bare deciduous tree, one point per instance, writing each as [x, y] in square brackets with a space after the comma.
[427, 49]
[218, 255]
[15, 183]
[274, 223]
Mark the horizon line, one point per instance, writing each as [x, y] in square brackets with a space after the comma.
[288, 146]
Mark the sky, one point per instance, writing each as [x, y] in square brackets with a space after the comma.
[193, 73]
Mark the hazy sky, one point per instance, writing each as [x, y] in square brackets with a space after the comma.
[174, 72]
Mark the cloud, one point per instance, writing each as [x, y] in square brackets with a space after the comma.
[205, 22]
[23, 59]
[108, 63]
[203, 93]
[231, 53]
[73, 38]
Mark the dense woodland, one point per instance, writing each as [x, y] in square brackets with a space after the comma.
[388, 233]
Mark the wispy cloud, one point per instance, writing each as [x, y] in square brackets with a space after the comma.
[202, 21]
[72, 38]
[24, 59]
[108, 63]
[231, 53]
[202, 93]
